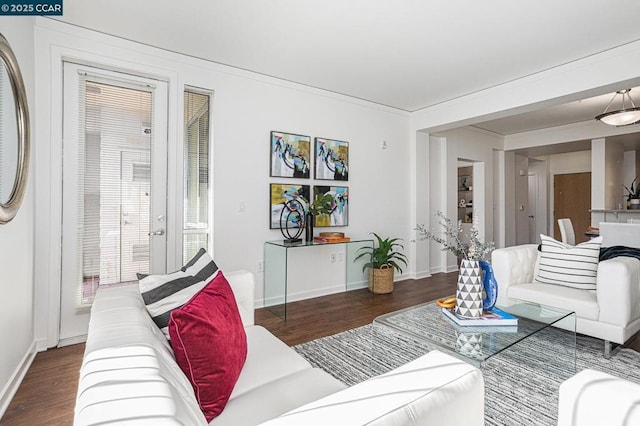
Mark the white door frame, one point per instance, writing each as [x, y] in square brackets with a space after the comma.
[74, 317]
[48, 157]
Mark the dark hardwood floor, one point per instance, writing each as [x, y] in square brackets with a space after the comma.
[323, 316]
[47, 394]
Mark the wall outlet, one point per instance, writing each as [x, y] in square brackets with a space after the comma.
[260, 266]
[333, 258]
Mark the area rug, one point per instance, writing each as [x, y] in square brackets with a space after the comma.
[521, 385]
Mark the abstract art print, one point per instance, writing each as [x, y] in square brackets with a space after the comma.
[286, 202]
[332, 159]
[290, 155]
[339, 215]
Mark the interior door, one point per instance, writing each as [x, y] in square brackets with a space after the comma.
[533, 204]
[114, 187]
[572, 199]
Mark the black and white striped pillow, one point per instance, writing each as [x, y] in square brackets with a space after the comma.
[164, 293]
[566, 265]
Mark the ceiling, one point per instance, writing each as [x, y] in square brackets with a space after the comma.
[407, 54]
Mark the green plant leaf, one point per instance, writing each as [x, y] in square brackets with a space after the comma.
[384, 252]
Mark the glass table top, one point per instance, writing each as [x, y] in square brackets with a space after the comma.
[303, 243]
[427, 322]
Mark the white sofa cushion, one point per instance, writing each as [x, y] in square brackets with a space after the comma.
[570, 266]
[277, 397]
[268, 359]
[132, 384]
[164, 293]
[583, 303]
[434, 389]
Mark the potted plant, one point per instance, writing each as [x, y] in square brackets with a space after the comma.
[633, 194]
[321, 204]
[384, 259]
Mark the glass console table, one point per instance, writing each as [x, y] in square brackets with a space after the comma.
[277, 274]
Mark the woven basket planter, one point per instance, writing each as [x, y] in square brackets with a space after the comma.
[381, 280]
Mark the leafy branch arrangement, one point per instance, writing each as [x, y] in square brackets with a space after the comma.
[385, 254]
[451, 239]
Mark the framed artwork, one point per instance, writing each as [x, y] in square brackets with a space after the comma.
[339, 215]
[283, 197]
[332, 159]
[290, 155]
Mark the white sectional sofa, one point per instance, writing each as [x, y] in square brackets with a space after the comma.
[129, 375]
[610, 313]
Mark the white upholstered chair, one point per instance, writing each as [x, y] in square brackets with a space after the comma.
[566, 231]
[611, 313]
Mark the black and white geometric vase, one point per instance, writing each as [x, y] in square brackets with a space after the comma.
[469, 344]
[469, 290]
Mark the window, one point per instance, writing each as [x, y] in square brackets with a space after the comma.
[196, 173]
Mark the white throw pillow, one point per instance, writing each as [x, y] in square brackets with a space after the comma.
[164, 293]
[566, 265]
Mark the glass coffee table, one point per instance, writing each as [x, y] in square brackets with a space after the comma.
[544, 334]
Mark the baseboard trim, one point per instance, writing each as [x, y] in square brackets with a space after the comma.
[421, 274]
[325, 291]
[41, 345]
[10, 389]
[68, 341]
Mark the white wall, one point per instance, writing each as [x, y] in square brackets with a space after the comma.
[16, 242]
[437, 259]
[629, 169]
[475, 145]
[521, 178]
[246, 107]
[614, 167]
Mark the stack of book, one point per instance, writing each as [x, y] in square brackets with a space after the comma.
[331, 237]
[491, 317]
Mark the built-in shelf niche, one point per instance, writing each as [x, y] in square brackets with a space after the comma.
[465, 194]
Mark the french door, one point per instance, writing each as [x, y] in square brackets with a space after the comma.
[114, 186]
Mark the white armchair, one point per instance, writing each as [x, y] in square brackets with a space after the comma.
[594, 398]
[610, 313]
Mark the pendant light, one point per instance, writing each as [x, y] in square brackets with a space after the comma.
[621, 117]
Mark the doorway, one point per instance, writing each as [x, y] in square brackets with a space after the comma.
[572, 199]
[114, 186]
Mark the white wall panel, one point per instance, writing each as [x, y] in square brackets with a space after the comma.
[16, 242]
[246, 107]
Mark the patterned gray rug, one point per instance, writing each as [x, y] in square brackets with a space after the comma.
[521, 385]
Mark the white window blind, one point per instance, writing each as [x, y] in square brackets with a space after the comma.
[196, 172]
[114, 182]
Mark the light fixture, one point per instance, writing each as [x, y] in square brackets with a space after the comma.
[621, 117]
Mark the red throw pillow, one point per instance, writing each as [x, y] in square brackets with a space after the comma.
[209, 344]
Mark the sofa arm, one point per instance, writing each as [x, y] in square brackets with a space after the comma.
[513, 265]
[618, 290]
[429, 390]
[243, 285]
[595, 398]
